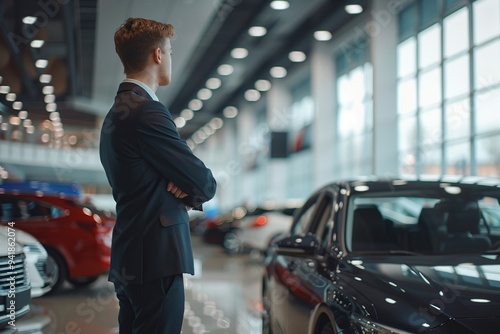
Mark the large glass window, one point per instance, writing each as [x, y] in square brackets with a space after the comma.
[486, 20]
[487, 114]
[486, 64]
[429, 41]
[300, 169]
[354, 110]
[429, 88]
[456, 77]
[449, 87]
[456, 32]
[488, 155]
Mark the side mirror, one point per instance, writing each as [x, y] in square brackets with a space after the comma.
[298, 245]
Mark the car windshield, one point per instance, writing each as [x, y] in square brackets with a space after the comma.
[423, 223]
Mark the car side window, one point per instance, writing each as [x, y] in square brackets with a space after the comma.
[34, 210]
[327, 223]
[15, 209]
[7, 209]
[303, 220]
[324, 224]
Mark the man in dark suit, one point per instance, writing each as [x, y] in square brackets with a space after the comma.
[155, 179]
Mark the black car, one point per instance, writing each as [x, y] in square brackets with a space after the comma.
[388, 256]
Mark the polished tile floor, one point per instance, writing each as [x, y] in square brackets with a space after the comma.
[223, 297]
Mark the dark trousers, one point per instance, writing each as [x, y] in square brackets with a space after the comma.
[155, 307]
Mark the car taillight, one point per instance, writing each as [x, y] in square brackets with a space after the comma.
[101, 232]
[259, 221]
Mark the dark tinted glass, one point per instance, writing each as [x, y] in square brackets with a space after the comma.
[407, 21]
[428, 11]
[451, 3]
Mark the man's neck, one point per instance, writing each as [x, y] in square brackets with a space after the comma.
[144, 78]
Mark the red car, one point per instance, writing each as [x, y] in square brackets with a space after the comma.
[76, 235]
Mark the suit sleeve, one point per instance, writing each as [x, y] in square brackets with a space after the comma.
[162, 147]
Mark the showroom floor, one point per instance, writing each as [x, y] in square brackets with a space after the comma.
[223, 297]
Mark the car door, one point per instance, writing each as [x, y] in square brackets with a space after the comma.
[296, 289]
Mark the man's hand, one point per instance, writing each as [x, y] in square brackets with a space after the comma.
[178, 193]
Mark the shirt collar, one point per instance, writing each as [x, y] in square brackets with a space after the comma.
[143, 86]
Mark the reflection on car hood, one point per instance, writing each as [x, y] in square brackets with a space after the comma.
[411, 292]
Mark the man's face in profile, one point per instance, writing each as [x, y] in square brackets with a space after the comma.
[165, 74]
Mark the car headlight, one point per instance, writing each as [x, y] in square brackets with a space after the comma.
[363, 325]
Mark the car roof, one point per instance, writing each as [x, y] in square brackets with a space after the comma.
[448, 184]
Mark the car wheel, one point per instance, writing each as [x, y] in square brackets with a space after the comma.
[83, 281]
[56, 270]
[326, 329]
[231, 243]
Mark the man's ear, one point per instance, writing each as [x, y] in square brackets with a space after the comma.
[157, 55]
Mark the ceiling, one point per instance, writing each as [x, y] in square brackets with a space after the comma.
[85, 70]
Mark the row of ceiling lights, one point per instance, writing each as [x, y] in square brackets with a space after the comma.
[47, 90]
[261, 85]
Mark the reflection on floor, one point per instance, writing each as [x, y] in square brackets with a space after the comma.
[223, 297]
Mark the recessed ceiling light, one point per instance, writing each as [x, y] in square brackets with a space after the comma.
[263, 85]
[279, 4]
[30, 129]
[187, 114]
[191, 143]
[322, 35]
[195, 104]
[23, 114]
[239, 53]
[353, 9]
[4, 89]
[17, 105]
[216, 123]
[213, 83]
[48, 90]
[37, 43]
[252, 95]
[278, 72]
[14, 120]
[55, 117]
[49, 98]
[225, 69]
[208, 130]
[10, 97]
[29, 19]
[297, 56]
[201, 134]
[230, 112]
[204, 94]
[51, 107]
[45, 78]
[257, 31]
[41, 63]
[180, 122]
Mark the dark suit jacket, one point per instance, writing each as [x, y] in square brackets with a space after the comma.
[141, 151]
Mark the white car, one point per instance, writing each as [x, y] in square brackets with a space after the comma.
[36, 261]
[15, 287]
[259, 227]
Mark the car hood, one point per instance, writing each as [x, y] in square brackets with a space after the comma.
[414, 291]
